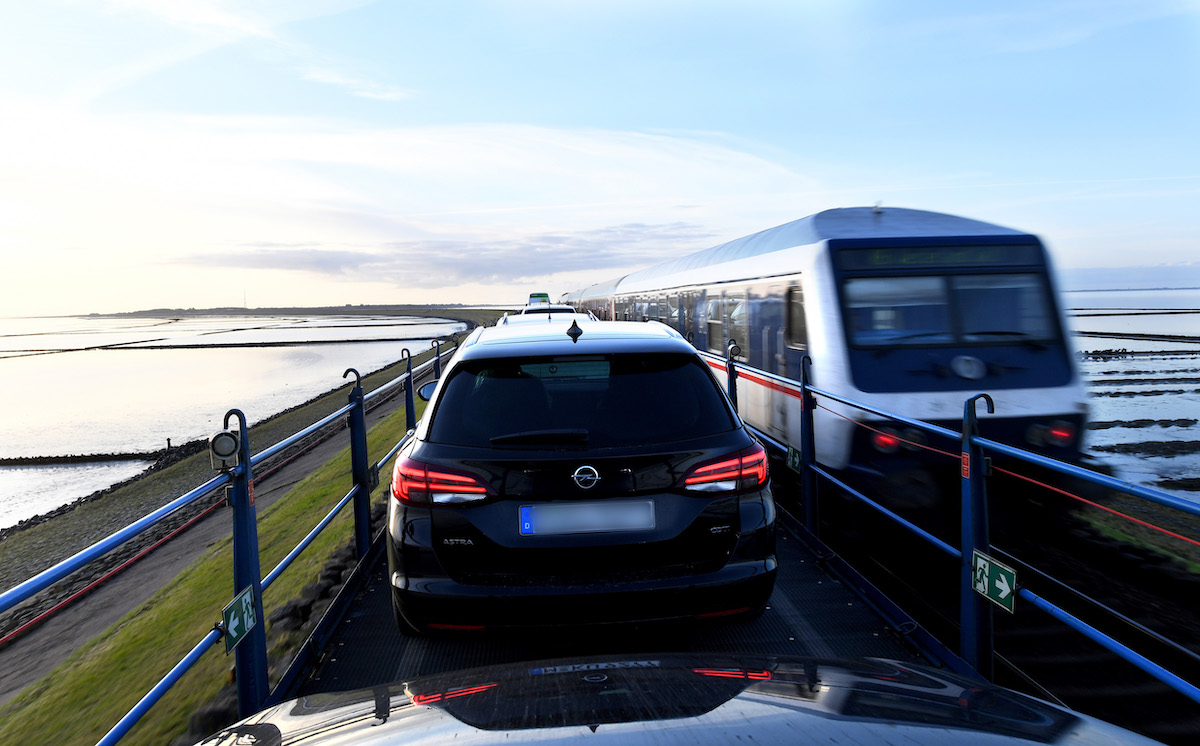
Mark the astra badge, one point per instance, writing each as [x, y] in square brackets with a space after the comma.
[586, 477]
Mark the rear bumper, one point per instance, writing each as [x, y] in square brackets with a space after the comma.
[737, 587]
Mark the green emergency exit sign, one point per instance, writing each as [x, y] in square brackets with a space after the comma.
[997, 582]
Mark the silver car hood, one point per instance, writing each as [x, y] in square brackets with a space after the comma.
[677, 699]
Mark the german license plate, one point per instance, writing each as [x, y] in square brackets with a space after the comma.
[590, 517]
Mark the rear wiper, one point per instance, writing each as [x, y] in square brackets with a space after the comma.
[566, 437]
[917, 335]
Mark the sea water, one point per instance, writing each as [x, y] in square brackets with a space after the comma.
[100, 385]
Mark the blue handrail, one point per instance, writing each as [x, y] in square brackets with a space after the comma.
[49, 577]
[251, 682]
[975, 641]
[809, 467]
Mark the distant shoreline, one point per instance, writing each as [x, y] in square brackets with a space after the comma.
[469, 314]
[1128, 290]
[81, 458]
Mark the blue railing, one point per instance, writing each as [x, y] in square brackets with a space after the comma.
[251, 651]
[975, 610]
[975, 644]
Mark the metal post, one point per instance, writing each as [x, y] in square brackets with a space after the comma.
[360, 467]
[731, 372]
[975, 611]
[410, 407]
[808, 450]
[250, 656]
[437, 358]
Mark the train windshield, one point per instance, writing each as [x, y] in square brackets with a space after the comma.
[949, 309]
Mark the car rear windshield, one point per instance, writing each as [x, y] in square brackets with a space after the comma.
[580, 401]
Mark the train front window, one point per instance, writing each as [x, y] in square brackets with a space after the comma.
[897, 310]
[996, 307]
[974, 309]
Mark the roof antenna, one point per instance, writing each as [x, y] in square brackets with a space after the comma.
[878, 207]
[574, 332]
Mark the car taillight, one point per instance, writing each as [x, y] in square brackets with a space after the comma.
[417, 483]
[744, 470]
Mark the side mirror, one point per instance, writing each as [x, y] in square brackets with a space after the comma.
[426, 391]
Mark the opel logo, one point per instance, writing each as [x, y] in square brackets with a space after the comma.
[586, 477]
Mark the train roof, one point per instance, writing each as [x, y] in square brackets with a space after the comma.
[839, 223]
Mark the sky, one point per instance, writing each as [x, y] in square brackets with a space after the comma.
[265, 153]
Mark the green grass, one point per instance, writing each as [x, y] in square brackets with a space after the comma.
[1185, 555]
[81, 700]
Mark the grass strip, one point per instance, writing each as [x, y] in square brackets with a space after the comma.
[93, 689]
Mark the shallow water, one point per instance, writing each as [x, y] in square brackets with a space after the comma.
[84, 396]
[76, 386]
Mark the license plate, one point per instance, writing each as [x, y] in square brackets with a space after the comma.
[583, 518]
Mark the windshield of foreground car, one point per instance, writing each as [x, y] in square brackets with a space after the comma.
[580, 401]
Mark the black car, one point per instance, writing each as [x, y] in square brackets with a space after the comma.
[583, 472]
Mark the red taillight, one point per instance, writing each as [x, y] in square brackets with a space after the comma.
[1060, 434]
[418, 483]
[885, 441]
[744, 470]
[1057, 433]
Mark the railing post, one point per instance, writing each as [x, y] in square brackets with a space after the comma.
[365, 478]
[437, 357]
[808, 449]
[250, 656]
[731, 372]
[410, 407]
[975, 611]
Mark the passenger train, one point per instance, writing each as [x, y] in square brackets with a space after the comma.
[907, 311]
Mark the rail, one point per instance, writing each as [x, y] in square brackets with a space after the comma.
[236, 477]
[975, 644]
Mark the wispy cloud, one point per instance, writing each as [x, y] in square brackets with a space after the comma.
[357, 86]
[198, 27]
[1044, 26]
[235, 18]
[447, 263]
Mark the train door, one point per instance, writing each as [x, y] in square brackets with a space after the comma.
[797, 334]
[768, 325]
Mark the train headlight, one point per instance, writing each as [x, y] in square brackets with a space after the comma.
[913, 438]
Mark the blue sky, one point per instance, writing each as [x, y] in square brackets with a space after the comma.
[201, 153]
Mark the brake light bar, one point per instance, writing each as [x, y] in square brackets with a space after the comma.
[417, 483]
[744, 470]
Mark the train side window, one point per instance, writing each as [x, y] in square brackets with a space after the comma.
[716, 326]
[739, 323]
[797, 330]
